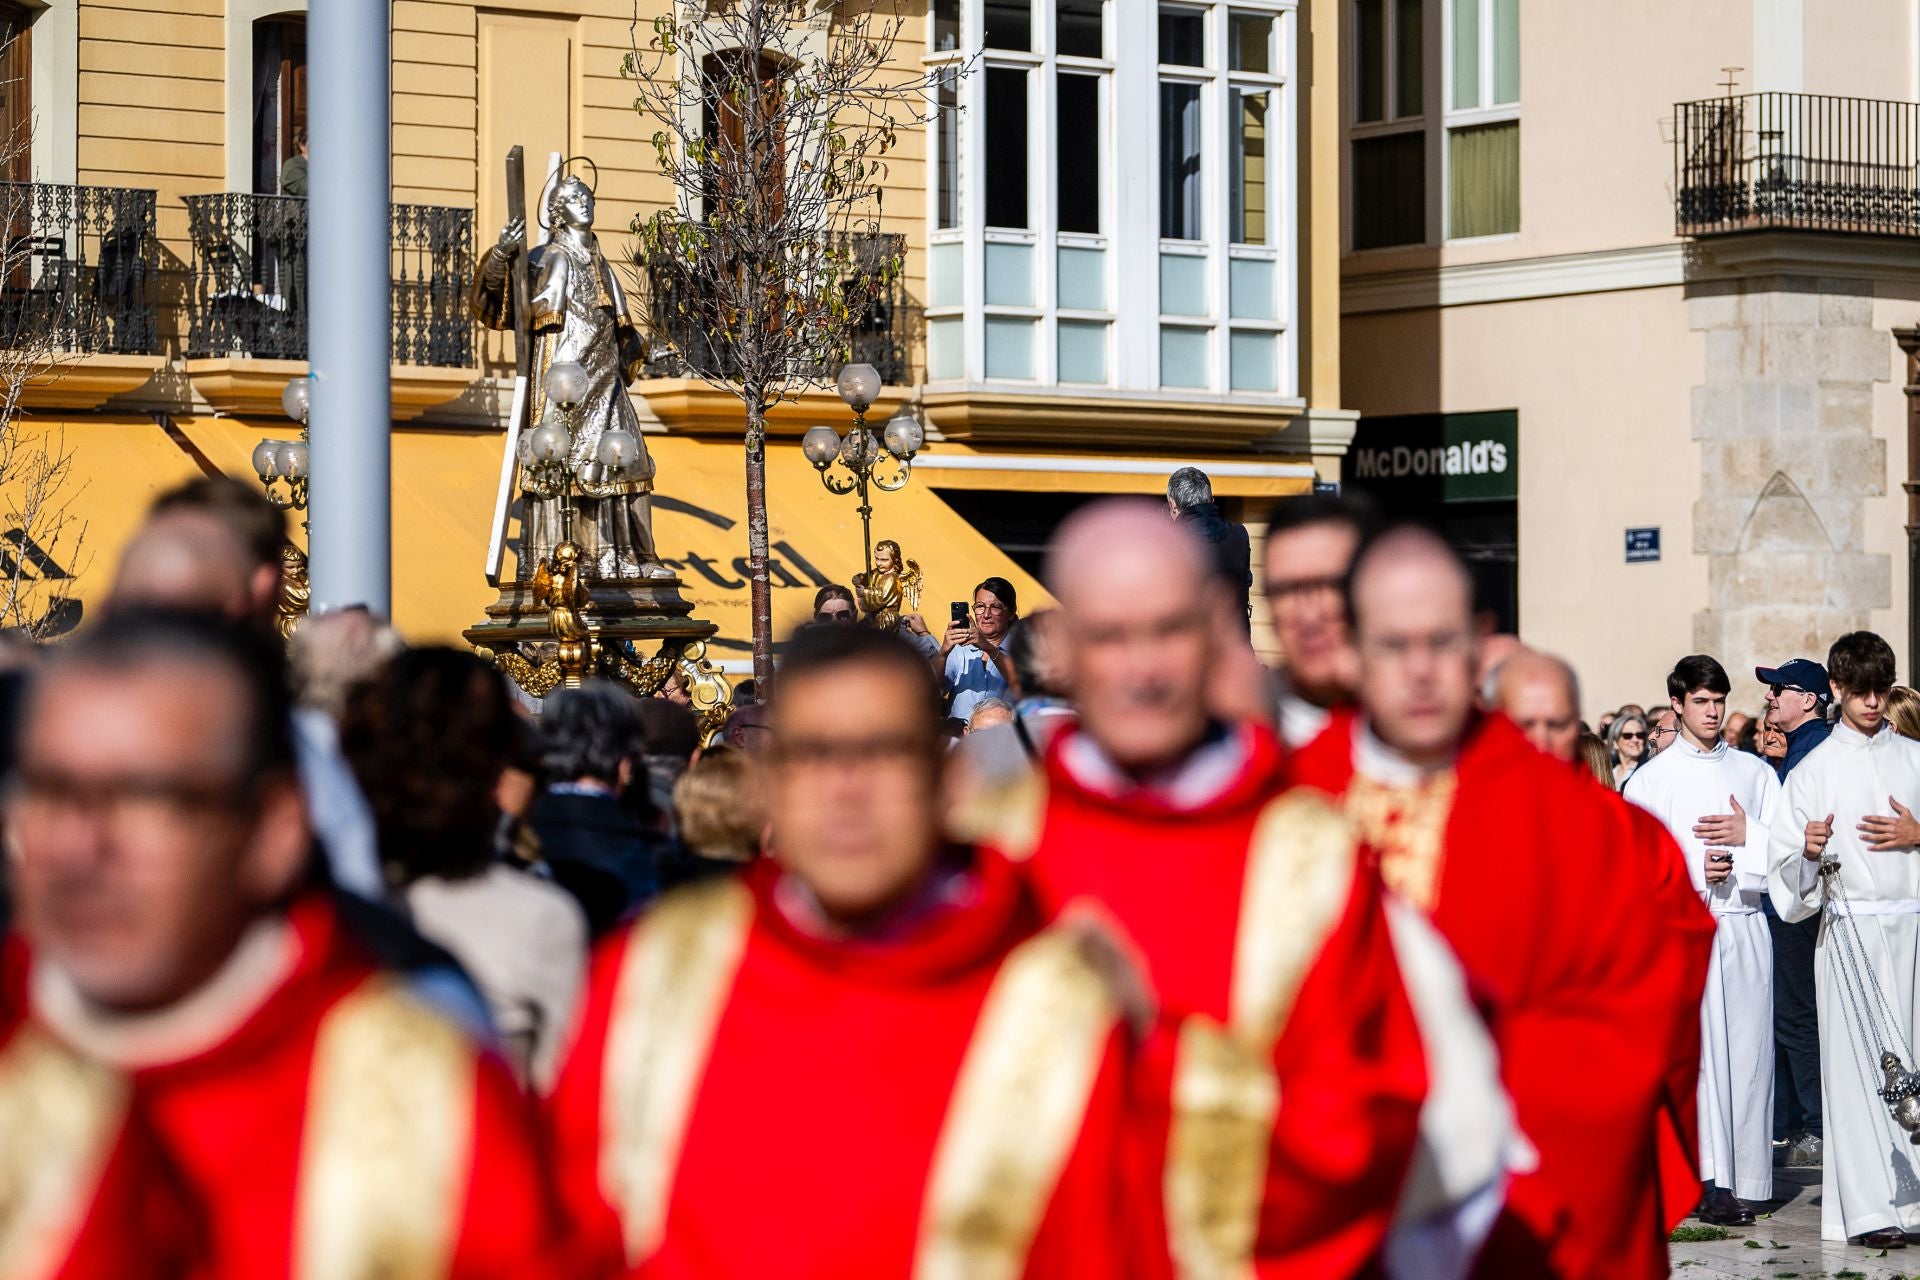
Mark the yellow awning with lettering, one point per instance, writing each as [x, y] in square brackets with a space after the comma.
[443, 495]
[62, 538]
[958, 466]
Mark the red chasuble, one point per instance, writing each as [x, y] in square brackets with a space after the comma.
[343, 1130]
[83, 1192]
[1566, 912]
[1294, 1081]
[745, 1099]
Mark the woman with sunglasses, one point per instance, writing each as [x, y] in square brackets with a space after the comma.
[1627, 740]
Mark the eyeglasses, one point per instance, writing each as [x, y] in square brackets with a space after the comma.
[834, 615]
[128, 805]
[1775, 690]
[1656, 733]
[990, 607]
[1637, 737]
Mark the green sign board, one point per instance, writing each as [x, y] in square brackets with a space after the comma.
[1437, 457]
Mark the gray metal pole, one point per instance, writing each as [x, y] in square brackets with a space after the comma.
[350, 72]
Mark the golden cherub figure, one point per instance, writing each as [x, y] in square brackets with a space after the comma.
[557, 588]
[894, 582]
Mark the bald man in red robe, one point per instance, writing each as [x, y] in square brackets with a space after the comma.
[1303, 1063]
[319, 1118]
[865, 1058]
[1562, 905]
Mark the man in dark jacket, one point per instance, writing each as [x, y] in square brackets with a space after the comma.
[1797, 699]
[592, 820]
[1190, 500]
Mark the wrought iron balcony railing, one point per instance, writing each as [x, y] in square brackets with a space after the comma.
[1797, 161]
[249, 280]
[679, 316]
[77, 269]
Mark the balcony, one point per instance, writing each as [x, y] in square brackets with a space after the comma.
[247, 296]
[1798, 162]
[679, 317]
[77, 269]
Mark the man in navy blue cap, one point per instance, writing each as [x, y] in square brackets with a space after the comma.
[1797, 699]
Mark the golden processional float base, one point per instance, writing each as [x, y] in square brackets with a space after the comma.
[547, 634]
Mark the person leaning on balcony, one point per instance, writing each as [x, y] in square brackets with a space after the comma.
[293, 174]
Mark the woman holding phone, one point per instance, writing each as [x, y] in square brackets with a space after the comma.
[970, 658]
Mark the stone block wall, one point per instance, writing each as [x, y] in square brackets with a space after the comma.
[1784, 420]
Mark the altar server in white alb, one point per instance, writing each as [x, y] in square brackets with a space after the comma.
[1851, 799]
[1718, 804]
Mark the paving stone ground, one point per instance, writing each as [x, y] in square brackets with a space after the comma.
[1786, 1245]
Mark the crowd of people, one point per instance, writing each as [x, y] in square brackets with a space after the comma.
[1075, 944]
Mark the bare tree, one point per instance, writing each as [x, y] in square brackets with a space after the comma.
[773, 119]
[47, 311]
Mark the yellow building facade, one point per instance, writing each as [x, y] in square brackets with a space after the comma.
[1081, 310]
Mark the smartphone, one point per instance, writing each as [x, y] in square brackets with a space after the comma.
[960, 613]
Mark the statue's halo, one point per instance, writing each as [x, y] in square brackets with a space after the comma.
[559, 175]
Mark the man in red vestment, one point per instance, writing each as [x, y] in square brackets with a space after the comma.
[321, 1120]
[1299, 1069]
[1562, 905]
[866, 1057]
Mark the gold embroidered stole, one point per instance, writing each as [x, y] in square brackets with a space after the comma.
[1406, 827]
[1017, 1110]
[388, 1141]
[60, 1116]
[1007, 817]
[1300, 864]
[673, 983]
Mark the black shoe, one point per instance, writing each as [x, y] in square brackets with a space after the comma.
[1721, 1208]
[1884, 1238]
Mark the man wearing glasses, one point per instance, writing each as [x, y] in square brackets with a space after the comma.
[1662, 730]
[1797, 698]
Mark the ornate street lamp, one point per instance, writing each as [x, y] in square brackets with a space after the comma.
[284, 462]
[852, 463]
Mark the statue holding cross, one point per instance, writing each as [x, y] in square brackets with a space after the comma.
[563, 303]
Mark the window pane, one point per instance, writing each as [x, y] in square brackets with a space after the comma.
[1251, 42]
[1083, 279]
[1077, 28]
[1251, 365]
[1183, 38]
[946, 25]
[1183, 357]
[946, 348]
[1183, 285]
[1389, 191]
[946, 96]
[1009, 275]
[1483, 164]
[1506, 50]
[1180, 161]
[1250, 289]
[946, 265]
[1079, 153]
[1083, 351]
[1466, 53]
[1370, 41]
[1407, 63]
[1006, 147]
[1010, 348]
[1248, 195]
[1009, 24]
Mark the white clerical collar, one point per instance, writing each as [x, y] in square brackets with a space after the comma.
[1300, 721]
[1378, 762]
[260, 963]
[1197, 781]
[1692, 752]
[1854, 738]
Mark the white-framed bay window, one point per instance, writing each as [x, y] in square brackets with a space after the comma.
[1112, 195]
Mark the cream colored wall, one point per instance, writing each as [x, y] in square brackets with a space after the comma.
[1860, 49]
[1604, 445]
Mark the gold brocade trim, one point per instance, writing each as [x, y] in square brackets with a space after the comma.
[59, 1117]
[673, 984]
[1300, 864]
[1005, 816]
[387, 1143]
[1225, 1098]
[1017, 1111]
[1406, 827]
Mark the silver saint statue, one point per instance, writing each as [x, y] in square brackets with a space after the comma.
[577, 312]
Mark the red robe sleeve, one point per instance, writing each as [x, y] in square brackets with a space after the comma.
[511, 1226]
[1085, 1233]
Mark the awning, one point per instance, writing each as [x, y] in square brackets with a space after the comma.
[443, 494]
[67, 542]
[958, 466]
